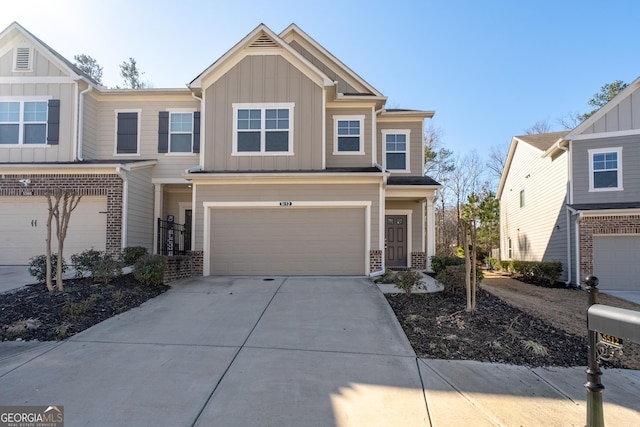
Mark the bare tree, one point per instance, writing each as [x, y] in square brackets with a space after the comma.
[61, 204]
[497, 161]
[541, 126]
[570, 120]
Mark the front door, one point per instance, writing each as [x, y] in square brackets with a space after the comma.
[396, 238]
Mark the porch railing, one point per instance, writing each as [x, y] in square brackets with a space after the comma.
[173, 238]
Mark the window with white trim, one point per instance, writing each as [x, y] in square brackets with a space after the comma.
[23, 122]
[605, 169]
[396, 149]
[263, 129]
[349, 132]
[180, 132]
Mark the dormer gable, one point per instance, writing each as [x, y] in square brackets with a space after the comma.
[261, 41]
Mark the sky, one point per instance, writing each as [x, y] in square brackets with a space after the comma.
[489, 69]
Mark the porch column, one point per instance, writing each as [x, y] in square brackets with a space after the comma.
[431, 232]
[157, 213]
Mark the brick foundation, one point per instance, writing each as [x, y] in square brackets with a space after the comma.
[375, 261]
[109, 185]
[181, 266]
[418, 260]
[601, 225]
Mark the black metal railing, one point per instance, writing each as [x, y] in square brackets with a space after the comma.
[173, 238]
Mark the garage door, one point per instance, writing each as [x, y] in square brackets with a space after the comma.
[288, 241]
[615, 262]
[23, 227]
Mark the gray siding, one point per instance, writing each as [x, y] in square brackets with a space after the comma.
[415, 149]
[630, 170]
[538, 230]
[140, 209]
[263, 79]
[624, 116]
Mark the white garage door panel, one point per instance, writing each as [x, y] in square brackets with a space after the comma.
[23, 226]
[288, 241]
[615, 262]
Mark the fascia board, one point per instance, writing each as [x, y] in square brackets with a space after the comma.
[284, 178]
[507, 166]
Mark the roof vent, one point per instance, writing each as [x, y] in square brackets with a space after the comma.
[264, 41]
[23, 59]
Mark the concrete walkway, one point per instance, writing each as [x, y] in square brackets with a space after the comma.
[285, 352]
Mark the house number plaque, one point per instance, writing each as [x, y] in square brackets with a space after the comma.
[286, 203]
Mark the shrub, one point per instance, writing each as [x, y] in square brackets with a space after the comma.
[150, 270]
[85, 261]
[524, 268]
[452, 278]
[506, 266]
[106, 268]
[387, 277]
[492, 263]
[406, 280]
[132, 254]
[439, 263]
[547, 271]
[38, 267]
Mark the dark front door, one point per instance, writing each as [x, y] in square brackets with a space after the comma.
[188, 216]
[396, 237]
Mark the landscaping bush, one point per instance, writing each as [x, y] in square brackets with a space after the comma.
[132, 254]
[547, 271]
[406, 280]
[106, 268]
[150, 270]
[439, 263]
[38, 267]
[452, 278]
[524, 268]
[387, 277]
[492, 263]
[506, 266]
[85, 262]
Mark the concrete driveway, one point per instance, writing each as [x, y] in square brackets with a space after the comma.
[284, 352]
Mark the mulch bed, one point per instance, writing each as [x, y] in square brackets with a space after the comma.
[438, 327]
[32, 313]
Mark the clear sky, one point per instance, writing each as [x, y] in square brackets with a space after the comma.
[490, 69]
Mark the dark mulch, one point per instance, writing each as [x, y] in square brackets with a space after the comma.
[32, 313]
[438, 327]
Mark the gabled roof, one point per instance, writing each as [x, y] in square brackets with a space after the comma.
[53, 56]
[544, 142]
[260, 37]
[624, 94]
[293, 32]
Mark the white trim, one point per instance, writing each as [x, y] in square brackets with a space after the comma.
[614, 134]
[618, 151]
[262, 106]
[169, 133]
[407, 156]
[610, 212]
[324, 128]
[374, 137]
[21, 121]
[115, 136]
[183, 206]
[14, 67]
[36, 80]
[208, 207]
[409, 214]
[337, 118]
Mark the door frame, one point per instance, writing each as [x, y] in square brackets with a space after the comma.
[409, 214]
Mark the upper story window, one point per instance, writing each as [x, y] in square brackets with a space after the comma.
[348, 135]
[127, 132]
[263, 129]
[396, 150]
[23, 122]
[179, 132]
[605, 169]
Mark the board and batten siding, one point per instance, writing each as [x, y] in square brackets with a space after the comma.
[41, 66]
[538, 230]
[415, 144]
[169, 165]
[630, 170]
[349, 160]
[624, 116]
[287, 192]
[263, 79]
[140, 219]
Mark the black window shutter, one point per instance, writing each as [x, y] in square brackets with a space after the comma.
[127, 133]
[163, 132]
[196, 132]
[53, 122]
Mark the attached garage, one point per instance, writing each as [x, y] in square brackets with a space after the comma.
[615, 262]
[288, 240]
[23, 228]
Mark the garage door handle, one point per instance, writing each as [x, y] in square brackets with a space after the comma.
[34, 222]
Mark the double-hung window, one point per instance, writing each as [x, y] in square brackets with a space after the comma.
[263, 129]
[605, 169]
[396, 147]
[180, 132]
[349, 134]
[127, 132]
[23, 122]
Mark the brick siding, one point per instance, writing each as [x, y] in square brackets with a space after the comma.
[418, 260]
[109, 185]
[375, 261]
[602, 225]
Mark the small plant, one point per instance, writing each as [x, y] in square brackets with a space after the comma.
[75, 309]
[150, 270]
[117, 295]
[20, 329]
[452, 278]
[536, 348]
[132, 254]
[85, 262]
[387, 277]
[406, 280]
[106, 269]
[62, 330]
[38, 267]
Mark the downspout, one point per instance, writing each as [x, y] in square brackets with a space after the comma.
[122, 173]
[194, 211]
[202, 120]
[568, 220]
[75, 123]
[577, 242]
[80, 127]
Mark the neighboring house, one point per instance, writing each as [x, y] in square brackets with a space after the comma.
[276, 160]
[600, 217]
